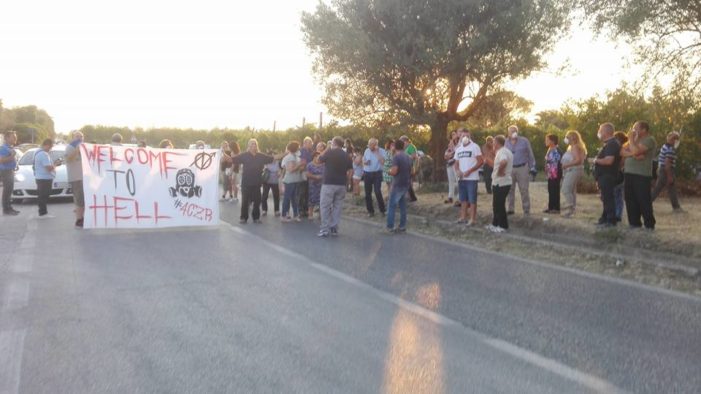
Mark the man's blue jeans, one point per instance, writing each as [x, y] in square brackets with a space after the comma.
[397, 197]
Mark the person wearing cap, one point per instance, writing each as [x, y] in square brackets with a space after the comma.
[44, 174]
[74, 170]
[524, 164]
[665, 173]
[8, 163]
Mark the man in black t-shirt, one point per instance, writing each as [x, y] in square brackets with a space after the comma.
[338, 166]
[251, 179]
[607, 165]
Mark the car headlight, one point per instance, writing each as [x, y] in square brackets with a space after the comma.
[19, 178]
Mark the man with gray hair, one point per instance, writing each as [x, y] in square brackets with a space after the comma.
[373, 163]
[338, 167]
[116, 139]
[524, 164]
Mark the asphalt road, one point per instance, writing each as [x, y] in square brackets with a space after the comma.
[272, 308]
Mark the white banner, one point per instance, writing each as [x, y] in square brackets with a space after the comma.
[130, 187]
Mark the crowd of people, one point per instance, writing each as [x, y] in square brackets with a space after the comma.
[622, 168]
[315, 176]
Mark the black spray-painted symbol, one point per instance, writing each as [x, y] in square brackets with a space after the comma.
[203, 160]
[185, 185]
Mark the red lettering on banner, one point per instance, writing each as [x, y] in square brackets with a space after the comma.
[143, 156]
[191, 210]
[129, 155]
[123, 209]
[118, 208]
[113, 158]
[94, 208]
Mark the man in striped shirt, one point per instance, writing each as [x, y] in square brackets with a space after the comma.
[665, 172]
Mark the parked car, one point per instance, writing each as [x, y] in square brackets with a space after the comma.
[25, 184]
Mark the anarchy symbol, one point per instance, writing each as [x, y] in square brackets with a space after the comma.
[203, 160]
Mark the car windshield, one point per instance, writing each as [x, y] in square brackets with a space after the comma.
[28, 158]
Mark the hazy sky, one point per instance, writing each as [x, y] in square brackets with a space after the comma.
[205, 64]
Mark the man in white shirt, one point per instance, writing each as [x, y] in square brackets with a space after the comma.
[468, 160]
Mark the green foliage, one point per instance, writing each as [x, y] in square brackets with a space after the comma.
[30, 123]
[665, 33]
[427, 64]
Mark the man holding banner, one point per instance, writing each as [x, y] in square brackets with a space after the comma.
[74, 170]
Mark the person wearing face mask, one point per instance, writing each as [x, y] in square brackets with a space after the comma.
[638, 176]
[524, 164]
[606, 167]
[572, 170]
[453, 143]
[665, 173]
[468, 160]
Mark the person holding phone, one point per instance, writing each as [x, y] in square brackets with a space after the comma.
[44, 174]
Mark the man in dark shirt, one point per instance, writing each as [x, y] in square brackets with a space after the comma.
[338, 166]
[251, 179]
[607, 164]
[401, 180]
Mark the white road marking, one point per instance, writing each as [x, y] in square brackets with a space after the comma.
[24, 257]
[553, 366]
[11, 348]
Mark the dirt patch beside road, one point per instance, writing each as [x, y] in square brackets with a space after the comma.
[669, 257]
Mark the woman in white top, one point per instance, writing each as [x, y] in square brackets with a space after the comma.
[293, 166]
[572, 170]
[501, 184]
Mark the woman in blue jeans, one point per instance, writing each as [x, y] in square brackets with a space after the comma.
[293, 166]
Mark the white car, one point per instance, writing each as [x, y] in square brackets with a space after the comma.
[26, 186]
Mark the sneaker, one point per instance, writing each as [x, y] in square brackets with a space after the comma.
[297, 219]
[490, 227]
[11, 212]
[46, 216]
[470, 223]
[389, 231]
[286, 219]
[322, 234]
[460, 221]
[499, 230]
[234, 201]
[222, 199]
[79, 223]
[264, 213]
[243, 221]
[257, 221]
[401, 230]
[334, 232]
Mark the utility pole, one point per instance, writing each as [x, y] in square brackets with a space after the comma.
[274, 125]
[321, 120]
[304, 121]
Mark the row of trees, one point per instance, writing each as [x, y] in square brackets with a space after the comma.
[434, 65]
[32, 124]
[664, 111]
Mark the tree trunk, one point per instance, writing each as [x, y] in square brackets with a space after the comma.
[437, 146]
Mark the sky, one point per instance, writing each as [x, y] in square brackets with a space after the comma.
[210, 64]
